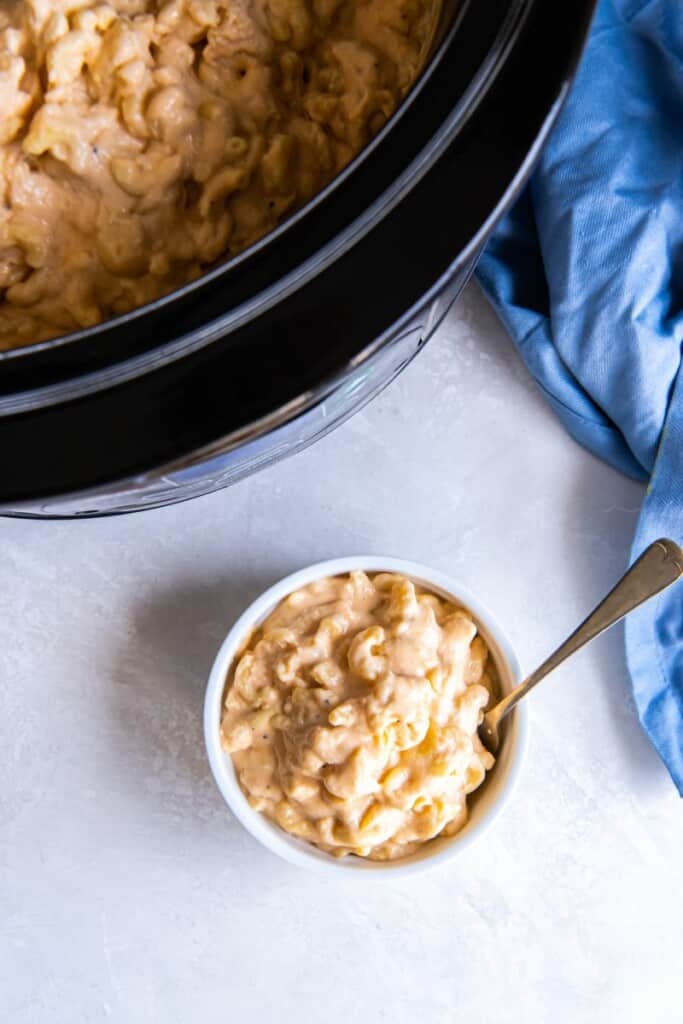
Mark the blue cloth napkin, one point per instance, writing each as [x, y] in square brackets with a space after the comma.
[586, 272]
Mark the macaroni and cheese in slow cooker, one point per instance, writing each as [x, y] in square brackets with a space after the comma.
[352, 714]
[142, 140]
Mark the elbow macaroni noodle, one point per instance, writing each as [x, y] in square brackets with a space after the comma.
[142, 140]
[352, 715]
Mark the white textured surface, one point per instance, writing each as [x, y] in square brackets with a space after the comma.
[127, 893]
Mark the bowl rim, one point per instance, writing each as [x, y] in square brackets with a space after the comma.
[300, 852]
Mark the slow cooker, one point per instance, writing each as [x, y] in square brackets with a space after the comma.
[264, 354]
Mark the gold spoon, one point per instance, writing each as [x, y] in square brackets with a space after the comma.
[658, 567]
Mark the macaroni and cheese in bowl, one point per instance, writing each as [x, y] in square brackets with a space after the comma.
[342, 711]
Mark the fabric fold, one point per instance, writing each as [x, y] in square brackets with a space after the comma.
[586, 273]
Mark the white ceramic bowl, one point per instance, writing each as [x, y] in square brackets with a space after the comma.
[485, 804]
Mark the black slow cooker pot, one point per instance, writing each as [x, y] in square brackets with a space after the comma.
[268, 352]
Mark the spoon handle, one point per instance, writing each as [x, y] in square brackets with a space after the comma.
[660, 565]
